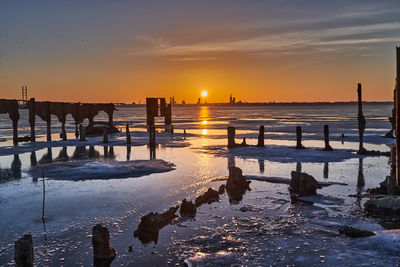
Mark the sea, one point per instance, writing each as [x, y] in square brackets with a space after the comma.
[59, 190]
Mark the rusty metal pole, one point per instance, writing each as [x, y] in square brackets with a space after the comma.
[397, 117]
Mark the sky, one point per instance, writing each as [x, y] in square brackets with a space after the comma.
[260, 51]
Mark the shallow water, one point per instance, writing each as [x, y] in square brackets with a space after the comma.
[261, 229]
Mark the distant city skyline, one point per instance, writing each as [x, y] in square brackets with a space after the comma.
[260, 51]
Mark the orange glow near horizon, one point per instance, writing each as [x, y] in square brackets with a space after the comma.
[281, 53]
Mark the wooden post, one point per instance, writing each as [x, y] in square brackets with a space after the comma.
[105, 136]
[152, 135]
[76, 130]
[15, 131]
[31, 107]
[63, 132]
[23, 254]
[48, 121]
[261, 137]
[231, 137]
[397, 116]
[128, 135]
[110, 119]
[82, 133]
[103, 253]
[298, 138]
[326, 134]
[361, 121]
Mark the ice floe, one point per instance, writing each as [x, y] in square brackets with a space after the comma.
[85, 170]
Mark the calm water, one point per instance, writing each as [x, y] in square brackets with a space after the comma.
[261, 229]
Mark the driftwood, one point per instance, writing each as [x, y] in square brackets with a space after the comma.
[275, 180]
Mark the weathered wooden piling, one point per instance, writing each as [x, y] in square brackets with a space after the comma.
[105, 135]
[23, 254]
[82, 133]
[261, 137]
[128, 135]
[392, 119]
[397, 117]
[393, 160]
[31, 108]
[299, 145]
[63, 132]
[231, 137]
[152, 135]
[326, 134]
[103, 253]
[361, 121]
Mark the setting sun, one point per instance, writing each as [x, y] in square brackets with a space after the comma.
[204, 93]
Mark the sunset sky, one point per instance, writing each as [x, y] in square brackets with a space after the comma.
[123, 51]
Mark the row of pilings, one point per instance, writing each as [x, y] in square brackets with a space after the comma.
[232, 143]
[44, 110]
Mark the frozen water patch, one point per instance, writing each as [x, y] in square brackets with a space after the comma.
[88, 170]
[281, 154]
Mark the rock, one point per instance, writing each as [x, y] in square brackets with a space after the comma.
[236, 185]
[354, 232]
[303, 184]
[187, 209]
[103, 254]
[221, 189]
[151, 224]
[236, 181]
[208, 197]
[389, 205]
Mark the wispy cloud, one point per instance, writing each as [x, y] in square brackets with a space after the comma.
[288, 37]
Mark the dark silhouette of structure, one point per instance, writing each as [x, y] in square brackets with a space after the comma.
[361, 121]
[157, 107]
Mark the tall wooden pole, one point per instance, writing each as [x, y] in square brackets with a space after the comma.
[397, 122]
[361, 121]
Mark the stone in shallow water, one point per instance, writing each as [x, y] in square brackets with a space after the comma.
[187, 209]
[208, 197]
[354, 232]
[303, 184]
[151, 224]
[389, 205]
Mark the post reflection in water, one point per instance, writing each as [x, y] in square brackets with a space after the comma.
[298, 167]
[152, 152]
[33, 159]
[63, 156]
[16, 167]
[360, 180]
[47, 158]
[261, 165]
[326, 170]
[128, 153]
[231, 161]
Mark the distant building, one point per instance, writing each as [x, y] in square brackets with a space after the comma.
[232, 100]
[198, 101]
[172, 100]
[183, 102]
